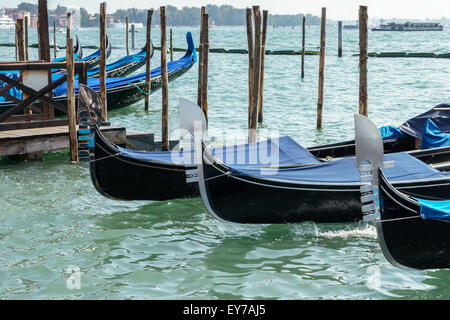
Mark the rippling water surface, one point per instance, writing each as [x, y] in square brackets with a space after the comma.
[52, 218]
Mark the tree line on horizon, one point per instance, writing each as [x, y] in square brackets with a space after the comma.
[224, 15]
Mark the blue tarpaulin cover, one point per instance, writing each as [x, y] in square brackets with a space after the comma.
[13, 91]
[138, 57]
[434, 209]
[344, 171]
[433, 137]
[440, 115]
[391, 132]
[259, 153]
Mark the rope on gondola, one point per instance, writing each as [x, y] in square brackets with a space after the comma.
[147, 93]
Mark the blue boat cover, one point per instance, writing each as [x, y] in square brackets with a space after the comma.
[13, 91]
[440, 115]
[433, 137]
[434, 209]
[344, 171]
[93, 55]
[94, 83]
[138, 57]
[391, 132]
[289, 152]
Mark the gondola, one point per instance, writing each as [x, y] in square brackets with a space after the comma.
[320, 191]
[125, 65]
[77, 53]
[125, 91]
[120, 173]
[130, 175]
[413, 233]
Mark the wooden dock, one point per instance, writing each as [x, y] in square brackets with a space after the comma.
[37, 140]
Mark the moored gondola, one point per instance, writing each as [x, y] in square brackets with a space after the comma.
[322, 191]
[77, 52]
[125, 91]
[125, 65]
[412, 232]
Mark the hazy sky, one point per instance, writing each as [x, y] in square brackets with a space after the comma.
[336, 9]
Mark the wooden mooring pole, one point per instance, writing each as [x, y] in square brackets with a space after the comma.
[20, 36]
[132, 36]
[303, 46]
[54, 39]
[263, 58]
[339, 38]
[171, 46]
[26, 21]
[126, 36]
[250, 61]
[164, 82]
[44, 50]
[102, 65]
[71, 102]
[256, 74]
[205, 60]
[69, 25]
[321, 68]
[200, 60]
[148, 79]
[363, 19]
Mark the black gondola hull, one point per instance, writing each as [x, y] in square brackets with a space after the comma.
[124, 178]
[406, 239]
[255, 200]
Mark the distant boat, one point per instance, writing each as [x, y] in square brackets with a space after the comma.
[5, 21]
[410, 26]
[118, 25]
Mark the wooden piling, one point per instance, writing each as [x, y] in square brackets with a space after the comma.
[69, 25]
[126, 35]
[303, 46]
[132, 36]
[164, 82]
[44, 50]
[339, 38]
[363, 19]
[102, 65]
[250, 61]
[200, 60]
[171, 46]
[321, 68]
[263, 58]
[20, 36]
[54, 39]
[26, 37]
[73, 151]
[148, 59]
[256, 74]
[205, 60]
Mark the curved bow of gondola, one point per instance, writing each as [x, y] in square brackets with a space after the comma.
[407, 237]
[94, 58]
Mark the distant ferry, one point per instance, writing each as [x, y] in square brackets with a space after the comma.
[123, 25]
[5, 21]
[410, 26]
